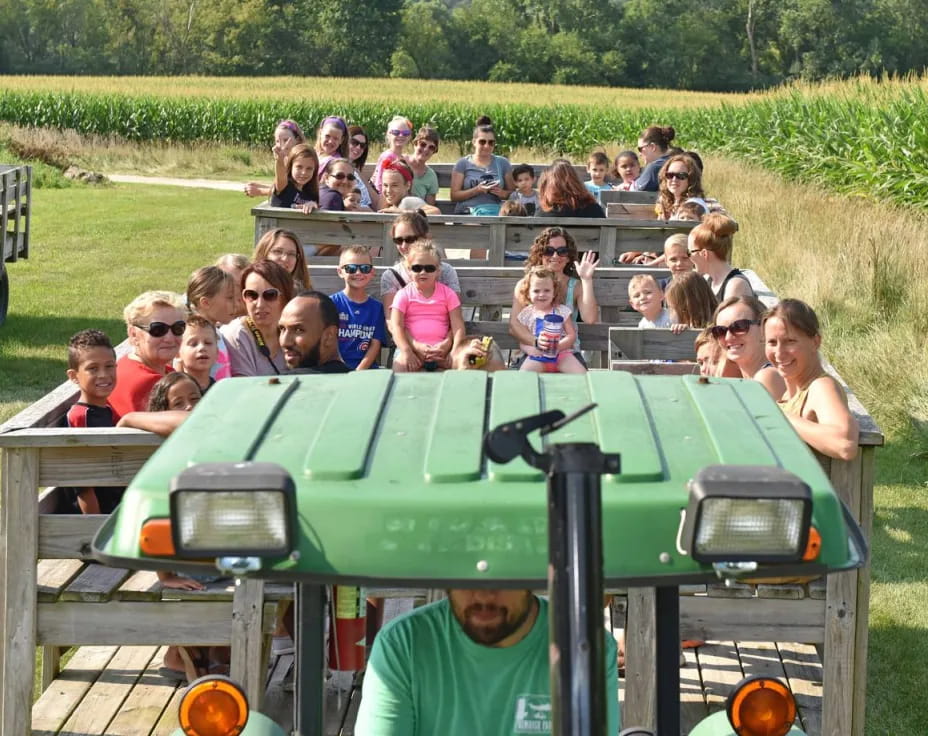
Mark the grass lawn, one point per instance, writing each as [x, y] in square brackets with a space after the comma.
[94, 248]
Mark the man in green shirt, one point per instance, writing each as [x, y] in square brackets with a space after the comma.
[475, 664]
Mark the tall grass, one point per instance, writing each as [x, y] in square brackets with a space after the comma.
[863, 266]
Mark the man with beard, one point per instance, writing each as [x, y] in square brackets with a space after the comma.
[309, 334]
[475, 664]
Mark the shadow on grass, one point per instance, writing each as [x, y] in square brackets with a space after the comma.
[33, 354]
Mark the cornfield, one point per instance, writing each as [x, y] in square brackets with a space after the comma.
[859, 137]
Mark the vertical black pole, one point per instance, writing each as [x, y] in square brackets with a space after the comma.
[309, 656]
[667, 633]
[575, 588]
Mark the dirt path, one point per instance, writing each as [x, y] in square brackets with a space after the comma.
[232, 186]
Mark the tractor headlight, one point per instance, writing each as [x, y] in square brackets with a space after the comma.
[747, 513]
[239, 508]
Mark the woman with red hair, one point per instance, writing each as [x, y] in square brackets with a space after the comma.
[562, 194]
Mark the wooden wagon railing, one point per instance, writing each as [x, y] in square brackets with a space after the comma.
[607, 237]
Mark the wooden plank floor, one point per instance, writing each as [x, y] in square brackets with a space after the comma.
[117, 691]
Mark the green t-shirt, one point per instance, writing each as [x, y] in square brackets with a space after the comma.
[427, 677]
[424, 185]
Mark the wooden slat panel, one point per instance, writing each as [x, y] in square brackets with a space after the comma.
[692, 699]
[862, 631]
[721, 671]
[653, 344]
[248, 666]
[62, 437]
[167, 724]
[702, 617]
[92, 466]
[106, 695]
[804, 673]
[64, 536]
[140, 622]
[142, 709]
[53, 576]
[647, 368]
[141, 586]
[95, 584]
[593, 337]
[640, 653]
[57, 703]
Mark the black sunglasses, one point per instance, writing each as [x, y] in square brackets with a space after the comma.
[352, 268]
[407, 239]
[420, 267]
[562, 251]
[160, 329]
[678, 175]
[358, 142]
[269, 295]
[341, 176]
[738, 327]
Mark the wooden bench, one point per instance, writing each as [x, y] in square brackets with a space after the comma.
[607, 237]
[832, 613]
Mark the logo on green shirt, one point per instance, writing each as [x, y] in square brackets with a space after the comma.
[533, 714]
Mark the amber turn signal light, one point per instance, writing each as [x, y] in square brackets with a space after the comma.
[761, 706]
[155, 538]
[213, 706]
[813, 546]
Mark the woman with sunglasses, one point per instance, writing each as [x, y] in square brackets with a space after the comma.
[737, 328]
[338, 183]
[252, 340]
[481, 181]
[709, 246]
[680, 179]
[653, 145]
[425, 180]
[408, 227]
[814, 402]
[358, 149]
[556, 250]
[155, 323]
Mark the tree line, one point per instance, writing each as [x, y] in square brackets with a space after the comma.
[681, 44]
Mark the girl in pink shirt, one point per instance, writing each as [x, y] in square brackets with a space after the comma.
[426, 319]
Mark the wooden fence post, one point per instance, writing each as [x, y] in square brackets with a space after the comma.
[19, 475]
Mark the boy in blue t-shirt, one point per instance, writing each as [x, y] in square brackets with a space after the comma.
[361, 326]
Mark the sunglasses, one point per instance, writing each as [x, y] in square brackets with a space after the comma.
[485, 142]
[426, 146]
[678, 175]
[160, 329]
[353, 268]
[358, 142]
[643, 146]
[341, 176]
[420, 267]
[738, 327]
[269, 295]
[405, 239]
[692, 253]
[400, 133]
[562, 251]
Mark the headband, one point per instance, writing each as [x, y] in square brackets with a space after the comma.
[290, 125]
[397, 164]
[334, 119]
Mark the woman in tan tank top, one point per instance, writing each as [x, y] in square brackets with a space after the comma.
[814, 402]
